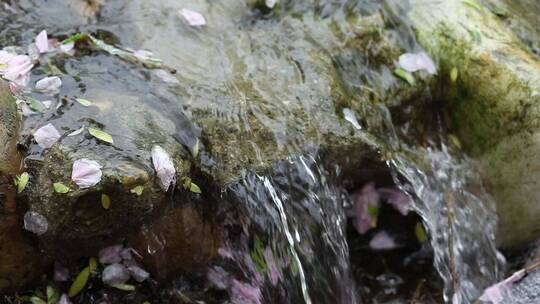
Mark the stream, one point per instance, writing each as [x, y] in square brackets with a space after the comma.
[275, 120]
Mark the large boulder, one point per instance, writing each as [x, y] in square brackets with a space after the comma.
[494, 106]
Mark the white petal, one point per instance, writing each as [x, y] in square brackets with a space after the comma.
[414, 62]
[18, 68]
[138, 273]
[166, 76]
[382, 241]
[49, 85]
[42, 42]
[35, 222]
[164, 167]
[86, 173]
[111, 254]
[67, 48]
[270, 3]
[46, 136]
[142, 54]
[193, 18]
[351, 117]
[115, 274]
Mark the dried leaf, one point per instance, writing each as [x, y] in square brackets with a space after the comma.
[80, 282]
[101, 135]
[60, 188]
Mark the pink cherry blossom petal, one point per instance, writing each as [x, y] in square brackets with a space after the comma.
[138, 274]
[111, 254]
[414, 62]
[43, 43]
[86, 173]
[49, 85]
[495, 294]
[47, 136]
[382, 241]
[364, 199]
[164, 167]
[17, 69]
[193, 18]
[35, 222]
[115, 274]
[400, 200]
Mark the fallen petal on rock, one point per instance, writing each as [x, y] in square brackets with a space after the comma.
[47, 136]
[382, 241]
[138, 274]
[111, 254]
[35, 222]
[164, 167]
[49, 85]
[115, 274]
[42, 42]
[351, 117]
[18, 68]
[86, 173]
[414, 62]
[193, 18]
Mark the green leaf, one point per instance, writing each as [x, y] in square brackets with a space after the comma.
[84, 102]
[420, 232]
[35, 105]
[473, 4]
[101, 135]
[499, 11]
[52, 295]
[137, 190]
[454, 74]
[105, 201]
[92, 264]
[21, 181]
[36, 300]
[60, 188]
[80, 282]
[405, 75]
[75, 38]
[76, 132]
[124, 287]
[195, 148]
[194, 188]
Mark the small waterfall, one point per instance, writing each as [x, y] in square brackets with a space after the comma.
[459, 216]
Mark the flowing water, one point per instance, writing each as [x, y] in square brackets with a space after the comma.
[267, 90]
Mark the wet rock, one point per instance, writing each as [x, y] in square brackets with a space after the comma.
[494, 105]
[180, 240]
[20, 260]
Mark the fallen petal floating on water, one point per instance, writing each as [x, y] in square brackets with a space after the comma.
[366, 204]
[400, 200]
[382, 241]
[115, 274]
[414, 62]
[49, 85]
[164, 167]
[35, 222]
[47, 136]
[86, 173]
[193, 18]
